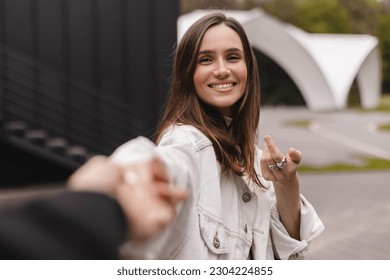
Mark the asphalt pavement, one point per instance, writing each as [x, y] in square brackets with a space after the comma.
[354, 206]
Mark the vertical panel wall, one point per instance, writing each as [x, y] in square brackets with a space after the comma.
[94, 71]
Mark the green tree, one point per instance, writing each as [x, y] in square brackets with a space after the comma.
[363, 15]
[322, 16]
[384, 43]
[285, 10]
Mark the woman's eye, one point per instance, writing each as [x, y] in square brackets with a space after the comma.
[233, 58]
[204, 60]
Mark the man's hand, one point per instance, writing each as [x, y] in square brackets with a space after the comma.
[98, 174]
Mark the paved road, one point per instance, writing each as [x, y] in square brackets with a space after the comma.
[355, 207]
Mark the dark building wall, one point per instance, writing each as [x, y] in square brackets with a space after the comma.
[118, 49]
[95, 72]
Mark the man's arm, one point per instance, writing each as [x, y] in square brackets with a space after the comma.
[84, 225]
[90, 221]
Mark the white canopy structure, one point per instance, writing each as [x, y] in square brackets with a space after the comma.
[323, 66]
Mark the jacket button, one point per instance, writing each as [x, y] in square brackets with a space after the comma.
[216, 242]
[246, 197]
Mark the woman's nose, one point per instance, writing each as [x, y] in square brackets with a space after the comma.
[221, 71]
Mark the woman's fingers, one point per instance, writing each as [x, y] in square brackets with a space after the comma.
[173, 195]
[295, 155]
[158, 170]
[274, 152]
[265, 162]
[275, 166]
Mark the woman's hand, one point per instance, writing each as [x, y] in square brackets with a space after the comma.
[272, 157]
[283, 171]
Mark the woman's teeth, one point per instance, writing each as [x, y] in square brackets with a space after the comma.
[220, 86]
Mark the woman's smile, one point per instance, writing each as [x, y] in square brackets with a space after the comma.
[222, 85]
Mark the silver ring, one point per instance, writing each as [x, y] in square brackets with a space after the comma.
[282, 164]
[272, 166]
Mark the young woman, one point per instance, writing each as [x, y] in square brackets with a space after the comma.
[245, 203]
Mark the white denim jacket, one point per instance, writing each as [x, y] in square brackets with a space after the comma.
[225, 217]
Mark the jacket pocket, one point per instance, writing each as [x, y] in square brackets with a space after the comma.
[213, 234]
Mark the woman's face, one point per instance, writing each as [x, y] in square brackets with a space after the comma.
[220, 74]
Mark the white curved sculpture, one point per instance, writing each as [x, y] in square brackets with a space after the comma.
[323, 66]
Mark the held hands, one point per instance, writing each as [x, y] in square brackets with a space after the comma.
[142, 191]
[153, 203]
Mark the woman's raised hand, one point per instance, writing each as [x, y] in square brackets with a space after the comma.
[278, 167]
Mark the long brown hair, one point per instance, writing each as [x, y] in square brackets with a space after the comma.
[234, 146]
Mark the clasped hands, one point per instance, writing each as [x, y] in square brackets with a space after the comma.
[142, 191]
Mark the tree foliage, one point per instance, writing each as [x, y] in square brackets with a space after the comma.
[322, 16]
[384, 35]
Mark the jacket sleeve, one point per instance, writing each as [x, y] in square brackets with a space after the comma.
[71, 225]
[175, 150]
[286, 247]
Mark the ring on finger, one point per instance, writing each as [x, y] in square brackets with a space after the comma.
[272, 166]
[282, 164]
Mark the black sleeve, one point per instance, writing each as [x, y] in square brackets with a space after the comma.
[72, 225]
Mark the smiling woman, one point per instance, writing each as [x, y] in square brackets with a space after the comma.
[244, 203]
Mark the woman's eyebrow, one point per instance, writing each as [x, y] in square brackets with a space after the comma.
[234, 50]
[228, 50]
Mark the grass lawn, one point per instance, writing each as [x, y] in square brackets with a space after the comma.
[384, 127]
[369, 164]
[384, 105]
[299, 123]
